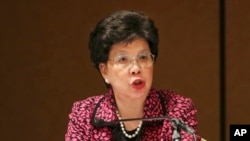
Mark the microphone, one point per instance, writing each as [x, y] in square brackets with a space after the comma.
[176, 123]
[183, 126]
[100, 122]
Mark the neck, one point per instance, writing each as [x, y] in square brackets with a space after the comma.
[130, 108]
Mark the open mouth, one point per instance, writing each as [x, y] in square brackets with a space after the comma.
[138, 84]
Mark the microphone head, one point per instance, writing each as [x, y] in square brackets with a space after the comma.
[180, 124]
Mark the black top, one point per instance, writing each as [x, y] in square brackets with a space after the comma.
[130, 133]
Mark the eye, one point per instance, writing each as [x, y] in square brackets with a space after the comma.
[144, 57]
[121, 59]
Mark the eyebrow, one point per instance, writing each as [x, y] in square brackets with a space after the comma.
[126, 53]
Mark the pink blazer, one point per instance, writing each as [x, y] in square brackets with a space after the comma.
[94, 119]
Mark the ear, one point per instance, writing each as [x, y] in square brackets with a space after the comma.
[103, 70]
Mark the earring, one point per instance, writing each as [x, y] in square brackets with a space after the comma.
[107, 81]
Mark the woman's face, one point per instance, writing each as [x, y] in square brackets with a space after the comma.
[129, 69]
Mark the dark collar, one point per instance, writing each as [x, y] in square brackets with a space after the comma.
[104, 113]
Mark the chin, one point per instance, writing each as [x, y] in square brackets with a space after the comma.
[140, 93]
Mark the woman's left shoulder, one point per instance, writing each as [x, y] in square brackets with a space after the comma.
[173, 98]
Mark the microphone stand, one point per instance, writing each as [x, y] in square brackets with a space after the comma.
[177, 124]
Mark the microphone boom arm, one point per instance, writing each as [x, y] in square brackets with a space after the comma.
[175, 123]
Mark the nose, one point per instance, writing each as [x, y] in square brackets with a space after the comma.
[135, 68]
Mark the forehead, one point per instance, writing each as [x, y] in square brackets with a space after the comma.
[134, 47]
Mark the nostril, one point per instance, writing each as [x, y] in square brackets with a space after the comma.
[136, 72]
[135, 68]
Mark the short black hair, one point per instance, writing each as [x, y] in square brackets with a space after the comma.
[121, 27]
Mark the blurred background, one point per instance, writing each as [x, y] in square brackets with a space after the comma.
[45, 65]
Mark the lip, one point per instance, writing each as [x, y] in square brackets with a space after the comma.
[138, 86]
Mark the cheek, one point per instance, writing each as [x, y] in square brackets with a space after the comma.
[150, 72]
[117, 74]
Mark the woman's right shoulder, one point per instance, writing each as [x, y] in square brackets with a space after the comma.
[88, 103]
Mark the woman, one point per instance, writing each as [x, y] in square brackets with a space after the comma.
[123, 48]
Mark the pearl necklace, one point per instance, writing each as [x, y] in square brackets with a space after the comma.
[124, 131]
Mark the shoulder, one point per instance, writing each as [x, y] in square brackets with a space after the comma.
[88, 103]
[174, 97]
[82, 110]
[175, 102]
[171, 96]
[180, 107]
